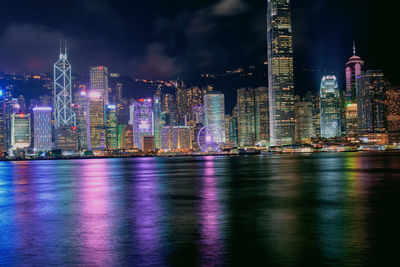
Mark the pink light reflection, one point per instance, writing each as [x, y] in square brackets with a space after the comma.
[210, 210]
[94, 214]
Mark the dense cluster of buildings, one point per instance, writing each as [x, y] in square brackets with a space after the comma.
[78, 118]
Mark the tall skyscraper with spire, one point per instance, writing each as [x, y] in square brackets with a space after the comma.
[63, 113]
[354, 71]
[280, 72]
[64, 116]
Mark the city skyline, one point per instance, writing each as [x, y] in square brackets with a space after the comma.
[94, 112]
[163, 38]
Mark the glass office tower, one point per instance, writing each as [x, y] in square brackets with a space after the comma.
[330, 113]
[280, 72]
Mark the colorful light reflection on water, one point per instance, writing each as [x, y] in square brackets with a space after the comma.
[321, 209]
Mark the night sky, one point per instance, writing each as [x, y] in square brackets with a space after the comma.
[159, 39]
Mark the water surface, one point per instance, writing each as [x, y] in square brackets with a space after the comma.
[318, 209]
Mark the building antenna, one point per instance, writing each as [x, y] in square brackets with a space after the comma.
[354, 48]
[65, 48]
[60, 47]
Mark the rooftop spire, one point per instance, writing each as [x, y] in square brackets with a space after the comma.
[65, 48]
[354, 48]
[60, 48]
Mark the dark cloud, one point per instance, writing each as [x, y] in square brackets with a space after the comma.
[27, 47]
[156, 64]
[229, 7]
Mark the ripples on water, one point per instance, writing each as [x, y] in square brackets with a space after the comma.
[320, 209]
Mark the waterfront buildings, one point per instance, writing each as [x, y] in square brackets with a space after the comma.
[176, 138]
[371, 102]
[228, 122]
[42, 132]
[148, 144]
[67, 139]
[99, 81]
[142, 119]
[252, 116]
[157, 119]
[168, 109]
[316, 112]
[246, 116]
[393, 109]
[20, 131]
[95, 129]
[280, 72]
[304, 121]
[121, 136]
[214, 111]
[262, 114]
[80, 109]
[3, 131]
[351, 119]
[233, 127]
[111, 127]
[330, 113]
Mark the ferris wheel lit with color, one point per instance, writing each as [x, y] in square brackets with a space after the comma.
[210, 138]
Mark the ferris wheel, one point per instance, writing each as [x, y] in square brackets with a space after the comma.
[210, 138]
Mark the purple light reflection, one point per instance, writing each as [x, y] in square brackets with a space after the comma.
[94, 213]
[147, 213]
[212, 246]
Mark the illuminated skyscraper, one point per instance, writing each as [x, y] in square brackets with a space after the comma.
[95, 129]
[3, 129]
[20, 130]
[181, 102]
[262, 114]
[233, 128]
[157, 119]
[371, 102]
[304, 121]
[228, 123]
[42, 137]
[168, 109]
[214, 110]
[393, 109]
[253, 124]
[80, 109]
[141, 118]
[351, 119]
[64, 116]
[330, 113]
[316, 113]
[354, 70]
[63, 113]
[280, 72]
[99, 81]
[246, 116]
[111, 127]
